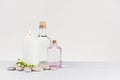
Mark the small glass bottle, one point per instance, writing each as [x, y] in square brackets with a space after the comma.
[54, 55]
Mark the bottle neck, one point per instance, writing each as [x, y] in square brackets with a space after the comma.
[42, 32]
[55, 44]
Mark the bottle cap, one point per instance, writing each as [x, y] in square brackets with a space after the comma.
[54, 41]
[42, 25]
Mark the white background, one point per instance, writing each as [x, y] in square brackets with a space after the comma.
[87, 30]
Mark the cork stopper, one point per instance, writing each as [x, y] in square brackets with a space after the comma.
[42, 25]
[54, 41]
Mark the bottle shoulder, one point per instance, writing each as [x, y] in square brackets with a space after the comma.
[54, 47]
[59, 47]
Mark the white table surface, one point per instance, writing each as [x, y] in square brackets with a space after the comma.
[70, 71]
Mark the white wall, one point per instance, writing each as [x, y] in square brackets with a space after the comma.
[87, 30]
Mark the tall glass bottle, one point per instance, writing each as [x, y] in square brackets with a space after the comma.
[44, 42]
[54, 55]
